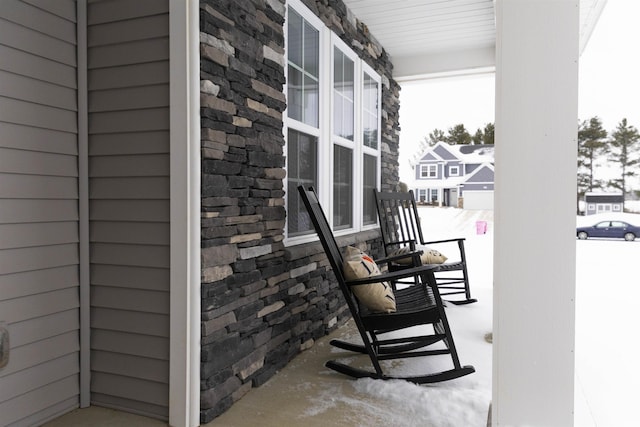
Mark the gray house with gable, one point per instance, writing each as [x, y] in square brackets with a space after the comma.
[455, 175]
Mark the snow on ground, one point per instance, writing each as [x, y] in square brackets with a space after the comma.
[607, 317]
[607, 294]
[632, 205]
[463, 401]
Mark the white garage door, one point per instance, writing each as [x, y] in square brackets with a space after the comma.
[478, 200]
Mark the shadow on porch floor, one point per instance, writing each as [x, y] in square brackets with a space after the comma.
[305, 393]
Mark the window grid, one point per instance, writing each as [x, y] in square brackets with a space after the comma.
[348, 149]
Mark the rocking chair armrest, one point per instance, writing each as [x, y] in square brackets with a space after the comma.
[410, 242]
[395, 275]
[459, 240]
[399, 256]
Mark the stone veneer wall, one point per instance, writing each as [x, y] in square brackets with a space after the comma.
[262, 302]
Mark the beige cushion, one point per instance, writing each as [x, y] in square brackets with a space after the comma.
[377, 297]
[429, 256]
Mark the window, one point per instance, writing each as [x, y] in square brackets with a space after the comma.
[454, 170]
[434, 194]
[303, 108]
[428, 171]
[370, 152]
[343, 106]
[332, 127]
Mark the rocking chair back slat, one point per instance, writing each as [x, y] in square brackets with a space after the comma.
[400, 226]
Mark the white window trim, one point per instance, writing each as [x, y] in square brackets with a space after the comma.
[456, 168]
[425, 171]
[324, 132]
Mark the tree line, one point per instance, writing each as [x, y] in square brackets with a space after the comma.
[621, 147]
[458, 134]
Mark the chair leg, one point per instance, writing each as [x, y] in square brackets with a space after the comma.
[465, 274]
[442, 326]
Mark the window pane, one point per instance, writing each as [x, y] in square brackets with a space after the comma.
[302, 160]
[342, 188]
[370, 112]
[343, 103]
[370, 179]
[303, 43]
[311, 50]
[294, 38]
[311, 101]
[294, 93]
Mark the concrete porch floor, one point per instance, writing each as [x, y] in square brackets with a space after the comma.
[304, 393]
[283, 401]
[287, 399]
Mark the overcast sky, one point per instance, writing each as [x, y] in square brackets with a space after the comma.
[609, 86]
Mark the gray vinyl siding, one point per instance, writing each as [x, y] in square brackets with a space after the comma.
[39, 210]
[128, 78]
[429, 158]
[444, 153]
[481, 180]
[446, 167]
[470, 167]
[483, 175]
[488, 186]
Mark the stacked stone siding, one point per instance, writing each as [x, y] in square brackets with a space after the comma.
[263, 302]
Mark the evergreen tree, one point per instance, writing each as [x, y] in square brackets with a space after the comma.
[435, 136]
[458, 135]
[624, 140]
[489, 134]
[592, 143]
[478, 138]
[484, 136]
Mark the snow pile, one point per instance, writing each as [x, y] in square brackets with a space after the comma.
[607, 316]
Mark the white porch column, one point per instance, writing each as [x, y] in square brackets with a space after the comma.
[534, 270]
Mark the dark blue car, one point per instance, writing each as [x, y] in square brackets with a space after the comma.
[609, 229]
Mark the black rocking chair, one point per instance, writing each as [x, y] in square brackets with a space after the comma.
[419, 304]
[400, 228]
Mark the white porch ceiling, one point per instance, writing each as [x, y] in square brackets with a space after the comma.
[426, 37]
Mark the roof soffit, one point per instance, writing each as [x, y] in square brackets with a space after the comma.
[431, 37]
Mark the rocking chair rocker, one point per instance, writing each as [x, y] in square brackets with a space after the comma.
[416, 305]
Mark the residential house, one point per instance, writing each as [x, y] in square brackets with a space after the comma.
[455, 175]
[153, 255]
[599, 202]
